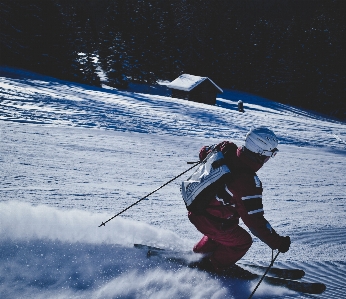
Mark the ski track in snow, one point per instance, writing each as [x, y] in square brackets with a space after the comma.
[72, 156]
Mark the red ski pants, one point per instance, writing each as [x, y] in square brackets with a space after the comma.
[226, 245]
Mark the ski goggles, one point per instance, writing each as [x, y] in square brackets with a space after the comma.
[269, 154]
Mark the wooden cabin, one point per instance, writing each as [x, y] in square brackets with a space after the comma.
[195, 88]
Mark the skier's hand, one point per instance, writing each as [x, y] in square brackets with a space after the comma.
[205, 151]
[285, 244]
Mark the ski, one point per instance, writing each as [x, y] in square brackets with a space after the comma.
[298, 286]
[276, 272]
[241, 273]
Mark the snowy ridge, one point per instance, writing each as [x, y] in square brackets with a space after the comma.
[72, 156]
[63, 103]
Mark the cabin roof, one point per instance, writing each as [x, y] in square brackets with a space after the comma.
[188, 82]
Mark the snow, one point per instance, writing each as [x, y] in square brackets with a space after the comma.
[188, 82]
[72, 156]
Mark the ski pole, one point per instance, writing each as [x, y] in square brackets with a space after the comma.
[271, 264]
[195, 164]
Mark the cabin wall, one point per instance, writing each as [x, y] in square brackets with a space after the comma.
[203, 93]
[180, 94]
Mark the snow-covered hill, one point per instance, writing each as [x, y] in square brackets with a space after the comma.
[72, 156]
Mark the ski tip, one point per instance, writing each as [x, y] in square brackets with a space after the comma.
[295, 274]
[319, 288]
[147, 247]
[309, 288]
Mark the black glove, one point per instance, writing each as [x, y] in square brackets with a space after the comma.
[285, 244]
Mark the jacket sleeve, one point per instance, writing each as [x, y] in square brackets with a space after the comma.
[247, 195]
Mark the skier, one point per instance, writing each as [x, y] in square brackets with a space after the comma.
[224, 240]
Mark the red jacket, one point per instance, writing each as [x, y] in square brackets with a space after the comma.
[242, 195]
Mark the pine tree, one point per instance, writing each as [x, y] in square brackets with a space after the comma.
[88, 55]
[113, 50]
[327, 62]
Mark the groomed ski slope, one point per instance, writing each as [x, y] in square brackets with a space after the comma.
[72, 156]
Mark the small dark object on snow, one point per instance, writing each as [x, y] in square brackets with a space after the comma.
[240, 106]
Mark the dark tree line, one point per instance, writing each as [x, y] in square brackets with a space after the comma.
[289, 51]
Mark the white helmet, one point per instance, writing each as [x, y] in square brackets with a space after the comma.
[262, 141]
